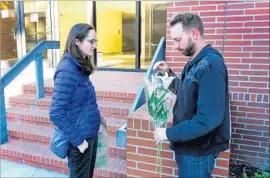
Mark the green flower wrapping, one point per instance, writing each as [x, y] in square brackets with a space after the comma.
[159, 108]
[102, 146]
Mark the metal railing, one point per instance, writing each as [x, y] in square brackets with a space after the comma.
[34, 55]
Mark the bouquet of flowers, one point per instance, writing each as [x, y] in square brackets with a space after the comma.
[160, 102]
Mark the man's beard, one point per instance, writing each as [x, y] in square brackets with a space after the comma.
[190, 50]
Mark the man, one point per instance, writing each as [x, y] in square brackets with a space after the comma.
[201, 119]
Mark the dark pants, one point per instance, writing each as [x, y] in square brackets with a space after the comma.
[81, 165]
[195, 167]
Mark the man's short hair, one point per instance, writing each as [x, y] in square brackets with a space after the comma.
[189, 21]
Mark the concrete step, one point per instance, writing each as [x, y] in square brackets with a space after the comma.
[41, 118]
[40, 156]
[108, 109]
[110, 96]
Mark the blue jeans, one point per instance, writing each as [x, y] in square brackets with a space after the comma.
[81, 165]
[194, 166]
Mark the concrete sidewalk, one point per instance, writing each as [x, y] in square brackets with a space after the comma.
[11, 169]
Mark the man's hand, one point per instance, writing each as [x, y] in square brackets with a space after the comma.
[161, 66]
[160, 135]
[82, 147]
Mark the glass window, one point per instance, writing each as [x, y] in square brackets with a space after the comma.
[8, 51]
[116, 34]
[36, 19]
[153, 27]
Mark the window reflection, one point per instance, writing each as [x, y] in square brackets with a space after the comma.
[116, 34]
[153, 27]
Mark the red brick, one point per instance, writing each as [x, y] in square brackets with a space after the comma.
[258, 90]
[261, 43]
[236, 18]
[214, 13]
[242, 5]
[220, 172]
[242, 152]
[150, 152]
[262, 4]
[249, 132]
[188, 3]
[166, 170]
[264, 55]
[131, 133]
[250, 121]
[257, 85]
[261, 30]
[252, 148]
[254, 138]
[140, 173]
[262, 17]
[222, 163]
[131, 164]
[255, 60]
[211, 2]
[178, 9]
[168, 163]
[203, 8]
[256, 36]
[251, 159]
[235, 12]
[137, 124]
[146, 135]
[257, 11]
[166, 154]
[147, 167]
[256, 127]
[140, 158]
[235, 43]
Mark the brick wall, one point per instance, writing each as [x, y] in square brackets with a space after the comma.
[7, 42]
[246, 54]
[142, 151]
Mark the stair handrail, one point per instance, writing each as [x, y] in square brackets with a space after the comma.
[34, 55]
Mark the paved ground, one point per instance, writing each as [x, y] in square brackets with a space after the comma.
[12, 169]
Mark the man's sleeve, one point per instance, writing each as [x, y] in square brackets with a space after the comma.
[64, 86]
[210, 108]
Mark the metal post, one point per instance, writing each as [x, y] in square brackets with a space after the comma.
[138, 35]
[3, 127]
[39, 76]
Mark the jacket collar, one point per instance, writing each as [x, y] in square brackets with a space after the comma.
[201, 54]
[74, 60]
[204, 52]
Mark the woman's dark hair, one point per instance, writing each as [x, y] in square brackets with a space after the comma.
[80, 32]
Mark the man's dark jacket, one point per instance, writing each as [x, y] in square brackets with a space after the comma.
[201, 123]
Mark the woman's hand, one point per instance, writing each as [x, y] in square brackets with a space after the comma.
[82, 147]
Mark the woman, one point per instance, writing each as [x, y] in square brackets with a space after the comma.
[74, 109]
